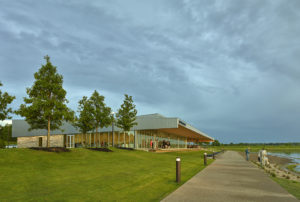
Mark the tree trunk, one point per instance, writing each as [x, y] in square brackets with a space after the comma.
[96, 136]
[48, 135]
[124, 140]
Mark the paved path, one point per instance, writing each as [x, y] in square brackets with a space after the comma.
[231, 178]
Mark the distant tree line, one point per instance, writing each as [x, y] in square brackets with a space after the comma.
[217, 143]
[261, 144]
[46, 106]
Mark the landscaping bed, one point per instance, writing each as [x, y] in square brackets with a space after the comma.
[101, 149]
[51, 149]
[125, 148]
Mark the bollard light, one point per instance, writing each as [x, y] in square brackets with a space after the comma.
[178, 177]
[205, 159]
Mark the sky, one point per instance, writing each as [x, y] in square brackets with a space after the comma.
[229, 68]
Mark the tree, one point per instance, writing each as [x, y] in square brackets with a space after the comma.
[5, 99]
[126, 115]
[216, 143]
[85, 122]
[101, 113]
[6, 135]
[46, 106]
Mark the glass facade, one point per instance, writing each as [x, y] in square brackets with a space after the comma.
[160, 140]
[141, 139]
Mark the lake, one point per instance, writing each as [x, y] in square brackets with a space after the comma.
[294, 156]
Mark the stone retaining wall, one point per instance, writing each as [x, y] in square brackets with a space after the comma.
[55, 141]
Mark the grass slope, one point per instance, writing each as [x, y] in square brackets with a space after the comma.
[292, 187]
[85, 175]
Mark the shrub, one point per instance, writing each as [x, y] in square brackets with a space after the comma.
[287, 177]
[273, 174]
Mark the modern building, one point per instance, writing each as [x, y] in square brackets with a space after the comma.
[152, 129]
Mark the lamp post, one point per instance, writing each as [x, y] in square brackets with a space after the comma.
[112, 127]
[178, 170]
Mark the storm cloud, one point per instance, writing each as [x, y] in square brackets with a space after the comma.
[230, 68]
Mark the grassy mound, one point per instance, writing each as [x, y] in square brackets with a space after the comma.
[86, 175]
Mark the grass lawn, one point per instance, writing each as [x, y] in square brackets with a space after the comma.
[85, 175]
[292, 187]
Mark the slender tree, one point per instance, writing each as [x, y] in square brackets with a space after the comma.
[126, 115]
[85, 121]
[101, 113]
[5, 99]
[46, 106]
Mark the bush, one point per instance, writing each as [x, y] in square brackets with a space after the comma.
[273, 174]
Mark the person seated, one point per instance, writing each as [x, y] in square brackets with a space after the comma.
[164, 144]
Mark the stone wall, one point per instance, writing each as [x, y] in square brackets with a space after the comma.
[55, 141]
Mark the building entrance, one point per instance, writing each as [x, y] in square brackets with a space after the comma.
[70, 141]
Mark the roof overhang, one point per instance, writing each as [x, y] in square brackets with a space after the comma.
[188, 133]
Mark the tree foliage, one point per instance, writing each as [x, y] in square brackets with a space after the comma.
[126, 115]
[7, 131]
[216, 143]
[101, 113]
[5, 100]
[46, 108]
[85, 122]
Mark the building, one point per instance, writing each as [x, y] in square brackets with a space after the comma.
[163, 132]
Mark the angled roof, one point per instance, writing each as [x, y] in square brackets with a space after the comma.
[145, 122]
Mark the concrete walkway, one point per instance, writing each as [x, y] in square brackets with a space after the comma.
[231, 178]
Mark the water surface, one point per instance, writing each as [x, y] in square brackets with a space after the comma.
[294, 156]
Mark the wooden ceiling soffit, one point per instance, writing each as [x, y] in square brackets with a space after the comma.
[184, 132]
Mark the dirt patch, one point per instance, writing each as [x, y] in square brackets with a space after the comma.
[101, 149]
[272, 159]
[51, 149]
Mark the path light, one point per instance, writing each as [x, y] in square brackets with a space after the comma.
[178, 177]
[205, 159]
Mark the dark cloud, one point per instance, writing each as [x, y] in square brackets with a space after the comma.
[231, 68]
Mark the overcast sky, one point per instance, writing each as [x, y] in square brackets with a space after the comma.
[230, 68]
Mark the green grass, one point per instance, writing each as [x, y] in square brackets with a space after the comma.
[85, 175]
[292, 187]
[292, 168]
